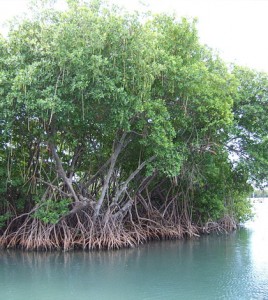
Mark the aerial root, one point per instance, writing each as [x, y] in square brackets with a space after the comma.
[79, 232]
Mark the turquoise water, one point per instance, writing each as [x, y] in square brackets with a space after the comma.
[231, 266]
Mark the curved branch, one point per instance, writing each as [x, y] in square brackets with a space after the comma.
[109, 174]
[61, 171]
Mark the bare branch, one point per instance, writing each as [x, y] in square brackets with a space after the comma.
[61, 171]
[109, 174]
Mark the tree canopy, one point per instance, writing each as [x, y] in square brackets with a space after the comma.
[117, 128]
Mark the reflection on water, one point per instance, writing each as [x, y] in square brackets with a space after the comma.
[259, 245]
[231, 266]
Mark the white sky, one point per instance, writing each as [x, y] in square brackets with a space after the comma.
[236, 28]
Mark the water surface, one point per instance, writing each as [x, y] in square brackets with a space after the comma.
[231, 266]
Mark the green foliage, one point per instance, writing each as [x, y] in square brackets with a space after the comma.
[4, 218]
[243, 209]
[220, 189]
[210, 207]
[51, 211]
[261, 193]
[249, 135]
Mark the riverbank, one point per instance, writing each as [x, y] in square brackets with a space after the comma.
[31, 234]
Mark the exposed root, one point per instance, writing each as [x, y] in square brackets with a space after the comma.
[228, 223]
[224, 225]
[80, 232]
